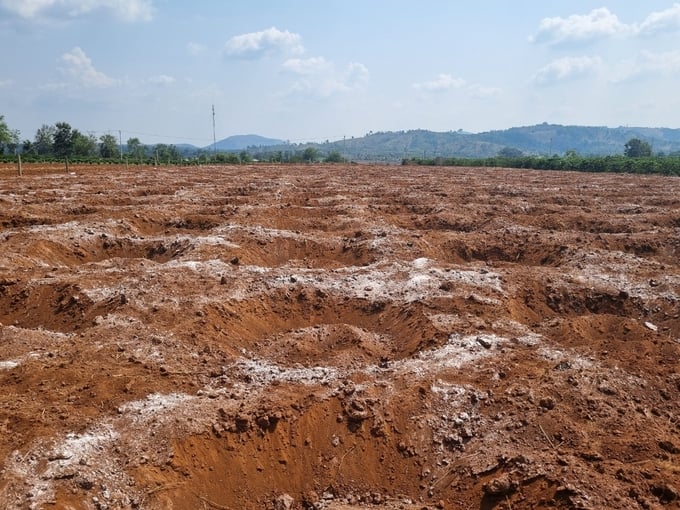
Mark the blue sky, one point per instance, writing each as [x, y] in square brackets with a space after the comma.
[306, 70]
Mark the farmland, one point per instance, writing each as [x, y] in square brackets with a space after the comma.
[338, 336]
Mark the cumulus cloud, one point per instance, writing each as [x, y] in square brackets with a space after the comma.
[257, 44]
[79, 67]
[661, 21]
[567, 68]
[599, 23]
[127, 10]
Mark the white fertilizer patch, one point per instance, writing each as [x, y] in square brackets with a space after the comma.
[154, 404]
[8, 365]
[264, 373]
[396, 281]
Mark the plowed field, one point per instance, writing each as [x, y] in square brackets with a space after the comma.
[338, 337]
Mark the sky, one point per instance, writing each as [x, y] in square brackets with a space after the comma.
[313, 70]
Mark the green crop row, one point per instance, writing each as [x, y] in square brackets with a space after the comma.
[612, 164]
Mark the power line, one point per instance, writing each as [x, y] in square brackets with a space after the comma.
[156, 135]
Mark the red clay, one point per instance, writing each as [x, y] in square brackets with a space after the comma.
[338, 337]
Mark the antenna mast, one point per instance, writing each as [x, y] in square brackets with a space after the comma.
[214, 139]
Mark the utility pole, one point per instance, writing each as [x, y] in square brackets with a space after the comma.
[120, 141]
[214, 139]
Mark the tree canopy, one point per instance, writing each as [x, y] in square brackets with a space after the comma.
[636, 148]
[135, 148]
[310, 154]
[4, 131]
[334, 157]
[510, 152]
[43, 143]
[63, 140]
[108, 148]
[8, 138]
[84, 145]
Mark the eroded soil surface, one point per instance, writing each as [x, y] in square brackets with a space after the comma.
[338, 337]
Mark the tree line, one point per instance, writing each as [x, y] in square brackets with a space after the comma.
[61, 141]
[637, 158]
[665, 165]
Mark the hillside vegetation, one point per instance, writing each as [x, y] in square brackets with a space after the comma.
[542, 139]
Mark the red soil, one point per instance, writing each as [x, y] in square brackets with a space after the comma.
[338, 337]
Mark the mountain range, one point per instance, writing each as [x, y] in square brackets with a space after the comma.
[539, 139]
[242, 142]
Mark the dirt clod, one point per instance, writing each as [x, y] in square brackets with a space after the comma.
[501, 486]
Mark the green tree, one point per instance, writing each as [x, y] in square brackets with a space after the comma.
[4, 131]
[334, 157]
[27, 147]
[14, 139]
[510, 152]
[310, 154]
[108, 148]
[135, 149]
[636, 148]
[63, 140]
[43, 143]
[8, 138]
[84, 145]
[166, 153]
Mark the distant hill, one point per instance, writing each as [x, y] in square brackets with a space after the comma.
[541, 139]
[186, 148]
[587, 140]
[242, 142]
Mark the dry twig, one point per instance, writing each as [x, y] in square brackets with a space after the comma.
[212, 503]
[546, 436]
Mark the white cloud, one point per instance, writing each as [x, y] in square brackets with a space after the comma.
[567, 68]
[442, 82]
[257, 44]
[661, 21]
[79, 67]
[127, 10]
[599, 23]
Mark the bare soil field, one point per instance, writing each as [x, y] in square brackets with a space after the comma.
[338, 337]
